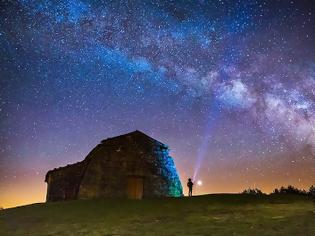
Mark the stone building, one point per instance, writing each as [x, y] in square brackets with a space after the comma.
[132, 165]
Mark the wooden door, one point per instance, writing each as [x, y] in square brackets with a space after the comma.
[135, 187]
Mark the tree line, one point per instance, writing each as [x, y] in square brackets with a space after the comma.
[283, 190]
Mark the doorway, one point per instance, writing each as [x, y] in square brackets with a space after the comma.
[135, 187]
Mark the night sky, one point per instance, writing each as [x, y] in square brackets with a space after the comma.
[228, 85]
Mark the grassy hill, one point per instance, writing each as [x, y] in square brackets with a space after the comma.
[218, 214]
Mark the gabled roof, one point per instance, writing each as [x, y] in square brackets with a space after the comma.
[136, 134]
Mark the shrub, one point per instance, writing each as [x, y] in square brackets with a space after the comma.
[290, 190]
[254, 191]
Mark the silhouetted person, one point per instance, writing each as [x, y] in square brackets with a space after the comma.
[190, 187]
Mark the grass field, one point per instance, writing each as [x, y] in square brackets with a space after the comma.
[219, 214]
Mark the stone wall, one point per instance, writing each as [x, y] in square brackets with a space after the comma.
[105, 171]
[63, 183]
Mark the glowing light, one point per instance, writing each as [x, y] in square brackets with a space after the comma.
[202, 151]
[199, 182]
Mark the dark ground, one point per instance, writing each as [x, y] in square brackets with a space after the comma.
[217, 214]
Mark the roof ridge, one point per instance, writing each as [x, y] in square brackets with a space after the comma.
[132, 133]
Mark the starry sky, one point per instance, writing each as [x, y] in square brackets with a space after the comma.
[228, 85]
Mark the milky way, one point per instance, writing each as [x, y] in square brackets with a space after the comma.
[228, 85]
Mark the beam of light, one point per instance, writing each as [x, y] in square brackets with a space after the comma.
[202, 150]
